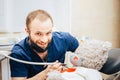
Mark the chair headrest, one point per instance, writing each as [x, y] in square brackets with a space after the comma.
[113, 62]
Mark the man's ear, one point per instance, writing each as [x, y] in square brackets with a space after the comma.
[27, 30]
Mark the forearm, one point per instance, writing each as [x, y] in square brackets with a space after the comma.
[40, 76]
[43, 74]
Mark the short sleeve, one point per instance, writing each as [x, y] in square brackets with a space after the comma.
[71, 42]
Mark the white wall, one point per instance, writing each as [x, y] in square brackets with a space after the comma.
[15, 12]
[98, 19]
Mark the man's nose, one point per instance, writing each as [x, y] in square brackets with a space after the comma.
[44, 38]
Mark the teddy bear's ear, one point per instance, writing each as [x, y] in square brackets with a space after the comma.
[75, 59]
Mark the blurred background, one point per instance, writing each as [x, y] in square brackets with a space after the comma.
[96, 19]
[85, 19]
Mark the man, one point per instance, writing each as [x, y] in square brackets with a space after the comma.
[41, 45]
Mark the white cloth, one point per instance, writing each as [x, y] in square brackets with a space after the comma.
[80, 73]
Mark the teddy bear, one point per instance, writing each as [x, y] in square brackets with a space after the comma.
[87, 60]
[91, 54]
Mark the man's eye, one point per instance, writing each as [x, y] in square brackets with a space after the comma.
[38, 34]
[49, 33]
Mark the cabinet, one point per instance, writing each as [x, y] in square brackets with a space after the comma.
[4, 66]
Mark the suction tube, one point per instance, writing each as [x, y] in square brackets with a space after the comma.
[5, 53]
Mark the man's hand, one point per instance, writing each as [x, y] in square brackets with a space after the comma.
[56, 66]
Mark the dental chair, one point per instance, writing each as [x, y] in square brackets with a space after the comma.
[112, 66]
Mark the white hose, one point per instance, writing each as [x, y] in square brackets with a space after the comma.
[5, 53]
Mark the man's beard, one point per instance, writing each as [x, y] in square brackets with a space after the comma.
[36, 47]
